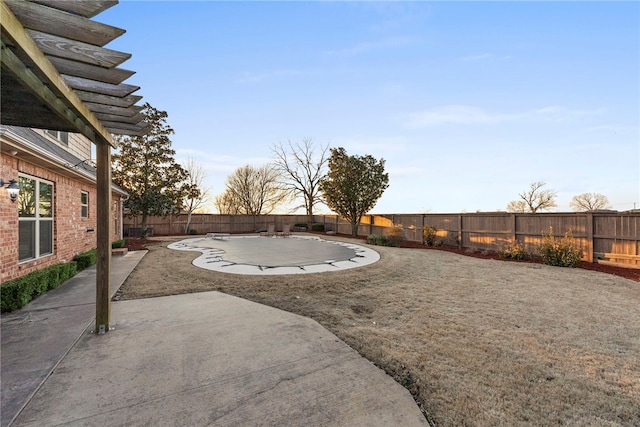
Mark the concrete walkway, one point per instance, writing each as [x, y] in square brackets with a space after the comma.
[205, 359]
[35, 338]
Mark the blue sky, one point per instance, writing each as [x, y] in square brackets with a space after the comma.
[467, 102]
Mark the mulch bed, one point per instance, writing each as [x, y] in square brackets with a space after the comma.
[628, 273]
[137, 244]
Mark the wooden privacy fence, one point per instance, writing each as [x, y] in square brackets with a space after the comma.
[212, 223]
[602, 235]
[614, 236]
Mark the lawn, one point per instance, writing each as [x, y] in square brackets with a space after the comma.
[477, 342]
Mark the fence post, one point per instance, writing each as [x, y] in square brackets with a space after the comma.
[460, 236]
[590, 245]
[514, 235]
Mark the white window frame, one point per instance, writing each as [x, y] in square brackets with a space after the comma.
[61, 136]
[37, 219]
[84, 207]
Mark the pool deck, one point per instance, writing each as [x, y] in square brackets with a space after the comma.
[205, 359]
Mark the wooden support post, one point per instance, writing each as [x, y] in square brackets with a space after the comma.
[460, 231]
[103, 234]
[589, 226]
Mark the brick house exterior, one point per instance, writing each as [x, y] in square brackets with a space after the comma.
[57, 167]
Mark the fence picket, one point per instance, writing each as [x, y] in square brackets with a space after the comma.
[598, 233]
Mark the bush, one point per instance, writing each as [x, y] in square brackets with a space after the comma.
[378, 240]
[118, 244]
[86, 259]
[317, 227]
[515, 250]
[17, 293]
[382, 240]
[396, 236]
[300, 226]
[563, 252]
[193, 231]
[429, 235]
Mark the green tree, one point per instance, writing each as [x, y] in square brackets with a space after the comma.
[353, 185]
[146, 168]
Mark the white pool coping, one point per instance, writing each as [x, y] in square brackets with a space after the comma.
[213, 256]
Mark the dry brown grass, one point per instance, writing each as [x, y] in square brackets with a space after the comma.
[478, 342]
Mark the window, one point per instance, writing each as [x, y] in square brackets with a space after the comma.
[60, 136]
[84, 203]
[116, 217]
[35, 230]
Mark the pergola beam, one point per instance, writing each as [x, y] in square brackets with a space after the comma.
[28, 79]
[45, 72]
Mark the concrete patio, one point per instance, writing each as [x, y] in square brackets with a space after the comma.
[195, 359]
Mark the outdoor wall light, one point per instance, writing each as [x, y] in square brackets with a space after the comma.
[12, 188]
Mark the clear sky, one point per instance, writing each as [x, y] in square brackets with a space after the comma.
[467, 102]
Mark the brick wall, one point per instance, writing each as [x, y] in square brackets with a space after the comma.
[72, 233]
[8, 219]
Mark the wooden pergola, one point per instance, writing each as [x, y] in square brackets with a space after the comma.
[56, 74]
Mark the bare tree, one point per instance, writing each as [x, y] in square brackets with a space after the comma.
[534, 199]
[517, 206]
[254, 191]
[227, 204]
[196, 195]
[302, 170]
[589, 202]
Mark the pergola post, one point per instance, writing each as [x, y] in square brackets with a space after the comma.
[35, 94]
[103, 235]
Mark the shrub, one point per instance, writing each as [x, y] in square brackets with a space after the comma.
[193, 231]
[515, 250]
[67, 271]
[378, 240]
[396, 236]
[86, 259]
[17, 293]
[429, 235]
[563, 252]
[118, 244]
[300, 225]
[317, 227]
[382, 240]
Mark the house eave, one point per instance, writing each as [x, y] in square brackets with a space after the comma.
[29, 151]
